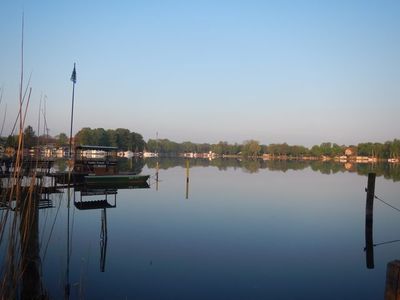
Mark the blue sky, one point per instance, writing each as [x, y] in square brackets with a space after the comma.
[301, 72]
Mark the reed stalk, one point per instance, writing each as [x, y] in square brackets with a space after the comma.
[20, 262]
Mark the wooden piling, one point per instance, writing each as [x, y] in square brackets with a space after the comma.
[369, 210]
[187, 179]
[392, 289]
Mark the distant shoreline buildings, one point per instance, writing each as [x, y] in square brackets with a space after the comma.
[50, 151]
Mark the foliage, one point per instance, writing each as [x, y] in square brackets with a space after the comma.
[121, 138]
[62, 140]
[12, 141]
[169, 147]
[251, 148]
[327, 149]
[286, 150]
[390, 149]
[126, 140]
[30, 138]
[223, 148]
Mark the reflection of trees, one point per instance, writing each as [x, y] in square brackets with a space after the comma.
[225, 163]
[326, 167]
[251, 165]
[134, 165]
[166, 162]
[284, 165]
[389, 171]
[20, 274]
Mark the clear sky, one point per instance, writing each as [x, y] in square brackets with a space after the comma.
[301, 72]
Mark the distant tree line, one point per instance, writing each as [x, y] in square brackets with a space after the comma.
[252, 148]
[121, 138]
[124, 139]
[32, 140]
[390, 149]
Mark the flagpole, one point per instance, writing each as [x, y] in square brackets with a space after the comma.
[67, 285]
[73, 79]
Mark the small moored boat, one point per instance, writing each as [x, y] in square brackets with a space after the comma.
[116, 180]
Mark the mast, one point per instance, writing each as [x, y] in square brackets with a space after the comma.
[4, 119]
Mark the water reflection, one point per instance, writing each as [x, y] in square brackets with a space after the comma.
[392, 285]
[242, 229]
[187, 178]
[20, 241]
[157, 173]
[21, 268]
[388, 171]
[133, 165]
[89, 201]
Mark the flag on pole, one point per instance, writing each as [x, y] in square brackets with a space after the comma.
[73, 76]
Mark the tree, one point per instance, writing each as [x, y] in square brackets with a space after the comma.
[29, 137]
[251, 148]
[188, 147]
[203, 148]
[100, 137]
[62, 140]
[297, 150]
[12, 141]
[326, 149]
[137, 142]
[152, 145]
[316, 151]
[112, 138]
[121, 138]
[394, 148]
[84, 136]
[337, 150]
[221, 148]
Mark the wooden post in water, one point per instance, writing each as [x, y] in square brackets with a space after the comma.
[392, 289]
[187, 179]
[369, 210]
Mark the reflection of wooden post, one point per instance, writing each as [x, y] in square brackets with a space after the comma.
[187, 179]
[369, 210]
[157, 168]
[392, 290]
[103, 240]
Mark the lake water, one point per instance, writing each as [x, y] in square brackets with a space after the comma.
[236, 231]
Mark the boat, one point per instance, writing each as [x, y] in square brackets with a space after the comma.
[99, 160]
[102, 171]
[133, 181]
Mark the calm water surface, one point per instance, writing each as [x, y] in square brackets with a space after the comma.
[235, 234]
